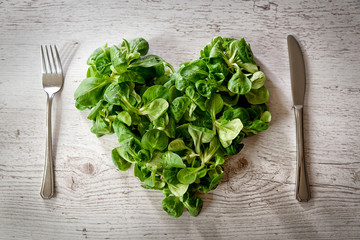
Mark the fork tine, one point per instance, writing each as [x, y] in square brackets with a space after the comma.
[58, 62]
[43, 60]
[48, 59]
[53, 60]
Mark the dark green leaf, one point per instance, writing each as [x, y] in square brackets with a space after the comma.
[118, 60]
[202, 173]
[170, 128]
[147, 62]
[100, 58]
[195, 97]
[203, 119]
[118, 94]
[90, 91]
[256, 127]
[193, 205]
[101, 126]
[258, 96]
[194, 71]
[130, 150]
[205, 88]
[154, 140]
[173, 206]
[242, 114]
[155, 163]
[178, 107]
[233, 149]
[92, 72]
[139, 45]
[154, 92]
[141, 172]
[95, 110]
[244, 49]
[216, 178]
[239, 83]
[174, 93]
[131, 76]
[170, 176]
[120, 129]
[119, 162]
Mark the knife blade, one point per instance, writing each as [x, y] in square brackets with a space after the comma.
[298, 84]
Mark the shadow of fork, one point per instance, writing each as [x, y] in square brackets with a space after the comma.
[67, 53]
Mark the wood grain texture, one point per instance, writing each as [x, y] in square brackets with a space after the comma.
[256, 197]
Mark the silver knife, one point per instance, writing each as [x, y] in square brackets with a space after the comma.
[298, 83]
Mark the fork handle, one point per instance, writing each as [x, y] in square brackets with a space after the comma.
[302, 182]
[47, 186]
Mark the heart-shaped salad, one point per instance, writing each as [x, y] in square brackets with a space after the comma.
[175, 126]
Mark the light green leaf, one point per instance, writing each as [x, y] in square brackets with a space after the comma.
[211, 150]
[229, 131]
[249, 67]
[200, 135]
[257, 80]
[266, 117]
[258, 96]
[170, 159]
[124, 117]
[214, 105]
[154, 109]
[177, 145]
[179, 189]
[187, 175]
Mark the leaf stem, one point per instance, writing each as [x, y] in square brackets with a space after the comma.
[169, 66]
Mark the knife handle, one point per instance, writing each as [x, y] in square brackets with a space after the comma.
[302, 182]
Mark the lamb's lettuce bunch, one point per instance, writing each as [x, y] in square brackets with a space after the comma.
[175, 127]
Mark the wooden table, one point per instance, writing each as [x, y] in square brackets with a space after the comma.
[256, 197]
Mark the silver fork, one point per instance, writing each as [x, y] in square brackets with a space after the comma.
[52, 80]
